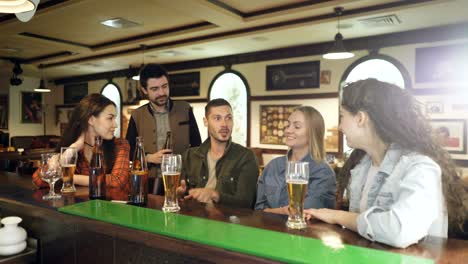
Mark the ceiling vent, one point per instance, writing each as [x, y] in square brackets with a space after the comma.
[120, 23]
[381, 21]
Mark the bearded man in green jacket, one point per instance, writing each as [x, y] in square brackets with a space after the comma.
[219, 170]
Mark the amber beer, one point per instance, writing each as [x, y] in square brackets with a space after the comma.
[139, 176]
[68, 171]
[171, 182]
[171, 165]
[297, 190]
[97, 172]
[138, 187]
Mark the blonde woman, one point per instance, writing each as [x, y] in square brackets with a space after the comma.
[305, 138]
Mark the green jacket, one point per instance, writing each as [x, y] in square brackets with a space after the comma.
[236, 173]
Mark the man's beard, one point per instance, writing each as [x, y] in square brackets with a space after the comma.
[156, 101]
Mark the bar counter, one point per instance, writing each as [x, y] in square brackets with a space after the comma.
[178, 238]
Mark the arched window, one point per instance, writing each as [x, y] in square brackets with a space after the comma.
[112, 92]
[380, 67]
[232, 86]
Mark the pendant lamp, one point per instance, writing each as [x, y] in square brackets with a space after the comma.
[338, 51]
[42, 85]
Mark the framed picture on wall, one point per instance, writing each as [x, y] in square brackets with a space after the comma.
[273, 121]
[436, 107]
[441, 63]
[73, 93]
[185, 84]
[31, 107]
[4, 111]
[451, 133]
[293, 76]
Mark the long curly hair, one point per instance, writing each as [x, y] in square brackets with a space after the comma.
[90, 105]
[397, 118]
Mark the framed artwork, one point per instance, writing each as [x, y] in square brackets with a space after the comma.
[273, 121]
[185, 84]
[31, 107]
[434, 107]
[4, 111]
[325, 77]
[441, 63]
[134, 93]
[73, 93]
[451, 133]
[63, 126]
[293, 76]
[126, 114]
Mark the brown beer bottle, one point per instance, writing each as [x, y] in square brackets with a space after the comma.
[139, 176]
[97, 172]
[168, 144]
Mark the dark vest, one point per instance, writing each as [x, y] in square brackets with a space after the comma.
[178, 121]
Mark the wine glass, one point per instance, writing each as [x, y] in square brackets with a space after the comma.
[50, 172]
[171, 165]
[297, 178]
[68, 158]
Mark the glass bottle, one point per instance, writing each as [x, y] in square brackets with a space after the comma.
[168, 144]
[158, 187]
[139, 176]
[97, 172]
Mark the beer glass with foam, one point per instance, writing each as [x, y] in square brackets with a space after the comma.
[297, 177]
[68, 158]
[171, 166]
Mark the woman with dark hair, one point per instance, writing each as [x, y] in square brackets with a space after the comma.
[305, 137]
[95, 116]
[403, 185]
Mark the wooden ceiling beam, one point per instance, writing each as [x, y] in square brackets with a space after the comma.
[206, 11]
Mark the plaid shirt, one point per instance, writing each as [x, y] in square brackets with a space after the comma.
[117, 184]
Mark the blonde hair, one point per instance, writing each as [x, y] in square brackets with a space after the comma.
[315, 132]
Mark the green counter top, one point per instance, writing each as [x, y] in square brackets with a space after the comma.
[253, 241]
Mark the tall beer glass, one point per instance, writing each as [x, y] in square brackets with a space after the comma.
[297, 177]
[171, 166]
[68, 158]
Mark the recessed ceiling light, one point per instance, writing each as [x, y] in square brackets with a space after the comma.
[91, 64]
[170, 53]
[344, 26]
[120, 23]
[10, 50]
[260, 38]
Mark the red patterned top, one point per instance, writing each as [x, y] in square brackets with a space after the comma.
[117, 184]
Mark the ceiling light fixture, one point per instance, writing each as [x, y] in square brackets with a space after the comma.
[42, 85]
[120, 23]
[15, 79]
[143, 48]
[16, 6]
[338, 51]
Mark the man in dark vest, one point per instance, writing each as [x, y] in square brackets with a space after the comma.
[152, 121]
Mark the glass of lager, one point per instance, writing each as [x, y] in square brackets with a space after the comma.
[68, 158]
[171, 165]
[297, 178]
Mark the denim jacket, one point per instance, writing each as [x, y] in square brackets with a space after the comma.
[272, 189]
[405, 201]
